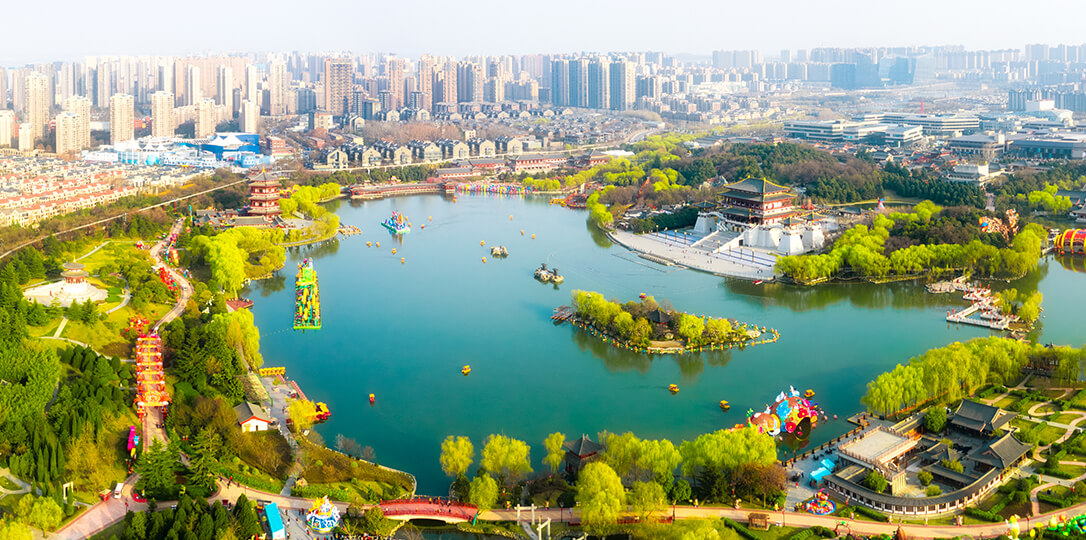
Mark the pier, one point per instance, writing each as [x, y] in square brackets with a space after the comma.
[984, 307]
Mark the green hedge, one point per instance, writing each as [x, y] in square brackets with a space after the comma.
[802, 534]
[867, 512]
[824, 532]
[981, 514]
[315, 491]
[1054, 501]
[743, 531]
[252, 481]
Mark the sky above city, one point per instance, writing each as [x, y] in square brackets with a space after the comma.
[72, 29]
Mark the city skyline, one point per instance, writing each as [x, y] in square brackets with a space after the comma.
[562, 26]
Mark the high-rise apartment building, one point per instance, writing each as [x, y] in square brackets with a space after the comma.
[252, 85]
[3, 87]
[105, 80]
[560, 82]
[81, 107]
[599, 83]
[224, 88]
[206, 118]
[26, 137]
[623, 85]
[338, 84]
[446, 84]
[37, 104]
[469, 82]
[164, 78]
[578, 82]
[7, 128]
[162, 116]
[426, 82]
[193, 91]
[68, 136]
[121, 116]
[278, 88]
[250, 116]
[394, 72]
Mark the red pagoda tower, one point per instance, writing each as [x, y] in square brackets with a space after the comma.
[264, 195]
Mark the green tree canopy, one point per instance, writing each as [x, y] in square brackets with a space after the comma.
[555, 451]
[600, 495]
[483, 492]
[506, 457]
[457, 454]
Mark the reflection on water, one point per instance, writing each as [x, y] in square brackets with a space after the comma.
[618, 360]
[902, 295]
[327, 247]
[271, 285]
[1075, 264]
[598, 237]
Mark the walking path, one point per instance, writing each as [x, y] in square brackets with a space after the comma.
[63, 323]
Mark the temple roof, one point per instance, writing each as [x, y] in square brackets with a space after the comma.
[978, 416]
[582, 447]
[1002, 452]
[759, 186]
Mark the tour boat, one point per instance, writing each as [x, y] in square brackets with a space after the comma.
[307, 299]
[758, 282]
[465, 370]
[397, 223]
[499, 251]
[809, 394]
[673, 388]
[724, 405]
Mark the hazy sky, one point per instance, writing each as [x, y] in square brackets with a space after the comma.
[70, 29]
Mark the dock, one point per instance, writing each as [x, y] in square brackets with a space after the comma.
[563, 313]
[983, 305]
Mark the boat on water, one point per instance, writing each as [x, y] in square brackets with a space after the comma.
[809, 394]
[673, 388]
[397, 223]
[724, 405]
[307, 298]
[548, 275]
[465, 370]
[320, 412]
[499, 251]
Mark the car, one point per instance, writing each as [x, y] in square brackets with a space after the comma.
[117, 490]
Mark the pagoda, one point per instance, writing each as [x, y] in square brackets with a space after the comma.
[757, 201]
[150, 379]
[264, 195]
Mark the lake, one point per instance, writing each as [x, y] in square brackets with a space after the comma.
[403, 331]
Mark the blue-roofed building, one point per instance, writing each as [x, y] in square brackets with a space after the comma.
[275, 522]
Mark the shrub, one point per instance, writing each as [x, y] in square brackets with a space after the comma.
[982, 514]
[872, 514]
[1054, 501]
[740, 529]
[924, 477]
[824, 532]
[933, 491]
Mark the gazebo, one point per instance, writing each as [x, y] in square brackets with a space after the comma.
[579, 452]
[74, 273]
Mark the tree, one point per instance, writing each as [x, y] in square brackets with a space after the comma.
[875, 481]
[457, 454]
[506, 457]
[680, 491]
[555, 451]
[924, 477]
[935, 419]
[646, 498]
[156, 467]
[248, 525]
[600, 495]
[717, 330]
[302, 412]
[483, 492]
[205, 457]
[933, 491]
[348, 445]
[45, 514]
[12, 530]
[690, 327]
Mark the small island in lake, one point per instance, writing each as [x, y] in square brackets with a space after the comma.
[646, 326]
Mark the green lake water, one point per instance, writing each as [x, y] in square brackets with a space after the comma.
[403, 331]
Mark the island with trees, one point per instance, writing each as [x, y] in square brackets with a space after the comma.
[649, 327]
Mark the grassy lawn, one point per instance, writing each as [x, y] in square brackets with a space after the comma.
[47, 330]
[8, 502]
[1047, 409]
[1064, 418]
[7, 484]
[114, 530]
[1005, 402]
[1050, 433]
[1076, 470]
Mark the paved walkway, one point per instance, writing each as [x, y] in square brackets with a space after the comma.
[691, 257]
[186, 287]
[60, 329]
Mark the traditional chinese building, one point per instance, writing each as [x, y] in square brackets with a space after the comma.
[757, 201]
[264, 195]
